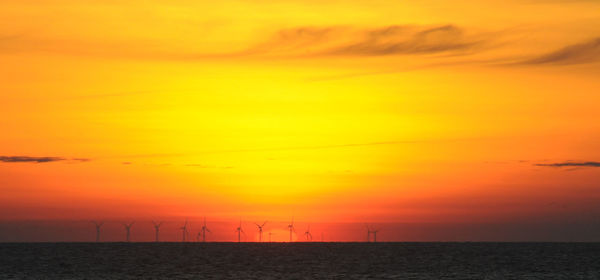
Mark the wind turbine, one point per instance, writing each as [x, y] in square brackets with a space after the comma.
[291, 228]
[369, 232]
[204, 230]
[98, 227]
[308, 234]
[239, 231]
[260, 230]
[128, 230]
[184, 231]
[156, 228]
[270, 233]
[375, 235]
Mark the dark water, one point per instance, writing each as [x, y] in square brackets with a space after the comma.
[300, 261]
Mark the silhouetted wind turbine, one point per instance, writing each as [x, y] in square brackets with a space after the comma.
[239, 231]
[270, 233]
[308, 234]
[156, 228]
[369, 232]
[374, 232]
[204, 230]
[98, 227]
[291, 228]
[128, 230]
[260, 230]
[184, 230]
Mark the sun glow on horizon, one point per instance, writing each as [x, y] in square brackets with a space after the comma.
[434, 113]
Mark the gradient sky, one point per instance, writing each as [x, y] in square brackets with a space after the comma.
[433, 120]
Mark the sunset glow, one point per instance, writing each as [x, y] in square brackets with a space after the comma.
[433, 120]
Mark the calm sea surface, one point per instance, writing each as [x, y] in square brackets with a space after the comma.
[300, 261]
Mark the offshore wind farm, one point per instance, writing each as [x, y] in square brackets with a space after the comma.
[200, 233]
[299, 139]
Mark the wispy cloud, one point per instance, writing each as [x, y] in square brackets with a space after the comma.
[394, 40]
[17, 159]
[571, 164]
[381, 41]
[585, 52]
[327, 41]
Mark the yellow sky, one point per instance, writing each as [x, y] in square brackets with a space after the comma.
[388, 111]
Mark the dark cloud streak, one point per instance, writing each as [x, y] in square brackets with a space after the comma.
[585, 52]
[28, 159]
[570, 164]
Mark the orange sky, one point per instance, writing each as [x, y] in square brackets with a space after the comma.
[393, 113]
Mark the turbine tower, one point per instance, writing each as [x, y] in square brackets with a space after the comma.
[184, 231]
[204, 230]
[156, 228]
[98, 227]
[240, 231]
[371, 231]
[308, 234]
[375, 235]
[128, 230]
[270, 233]
[291, 228]
[260, 230]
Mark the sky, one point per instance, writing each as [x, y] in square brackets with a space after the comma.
[429, 120]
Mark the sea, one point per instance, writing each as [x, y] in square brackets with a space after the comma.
[310, 260]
